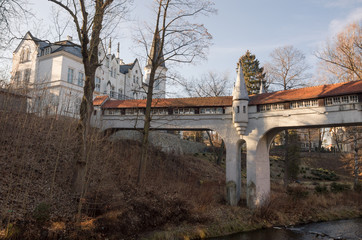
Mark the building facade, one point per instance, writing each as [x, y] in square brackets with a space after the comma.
[52, 75]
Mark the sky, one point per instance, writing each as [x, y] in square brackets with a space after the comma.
[256, 25]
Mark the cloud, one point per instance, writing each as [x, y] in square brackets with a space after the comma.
[338, 25]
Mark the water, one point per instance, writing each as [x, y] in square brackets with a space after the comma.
[342, 229]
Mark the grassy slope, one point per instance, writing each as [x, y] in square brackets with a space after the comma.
[183, 196]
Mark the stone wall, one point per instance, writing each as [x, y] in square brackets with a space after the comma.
[167, 142]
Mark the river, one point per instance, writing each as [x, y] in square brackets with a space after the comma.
[341, 229]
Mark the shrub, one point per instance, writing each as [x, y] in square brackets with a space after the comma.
[42, 212]
[297, 192]
[321, 189]
[339, 187]
[324, 174]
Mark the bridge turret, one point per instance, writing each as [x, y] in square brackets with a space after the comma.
[240, 102]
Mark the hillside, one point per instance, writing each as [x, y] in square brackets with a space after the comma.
[183, 196]
[36, 162]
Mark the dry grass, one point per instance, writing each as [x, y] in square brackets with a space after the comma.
[36, 169]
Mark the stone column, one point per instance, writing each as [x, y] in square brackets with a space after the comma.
[233, 172]
[258, 170]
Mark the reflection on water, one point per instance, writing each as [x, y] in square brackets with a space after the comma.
[342, 229]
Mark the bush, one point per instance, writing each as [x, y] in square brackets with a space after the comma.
[297, 192]
[324, 174]
[321, 189]
[42, 212]
[339, 187]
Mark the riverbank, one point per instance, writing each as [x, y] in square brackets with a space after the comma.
[283, 210]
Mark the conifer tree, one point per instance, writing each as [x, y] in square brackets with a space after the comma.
[253, 73]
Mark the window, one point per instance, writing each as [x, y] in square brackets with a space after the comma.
[353, 99]
[157, 84]
[244, 109]
[336, 100]
[22, 53]
[27, 75]
[328, 101]
[98, 84]
[345, 99]
[159, 111]
[27, 55]
[237, 109]
[80, 79]
[134, 79]
[70, 75]
[17, 77]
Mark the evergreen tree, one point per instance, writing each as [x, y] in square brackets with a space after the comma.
[253, 73]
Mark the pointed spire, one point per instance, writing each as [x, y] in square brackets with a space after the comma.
[117, 50]
[240, 92]
[156, 47]
[262, 89]
[110, 46]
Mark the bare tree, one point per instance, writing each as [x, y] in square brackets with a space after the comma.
[343, 57]
[10, 12]
[211, 84]
[60, 23]
[287, 68]
[90, 18]
[343, 60]
[175, 39]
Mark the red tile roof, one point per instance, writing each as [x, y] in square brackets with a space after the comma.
[99, 100]
[172, 102]
[322, 91]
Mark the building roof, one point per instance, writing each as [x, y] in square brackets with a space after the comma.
[172, 102]
[99, 100]
[126, 67]
[72, 49]
[321, 91]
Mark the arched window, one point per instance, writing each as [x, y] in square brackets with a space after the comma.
[22, 55]
[27, 55]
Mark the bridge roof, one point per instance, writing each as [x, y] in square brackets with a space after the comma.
[338, 89]
[321, 91]
[172, 102]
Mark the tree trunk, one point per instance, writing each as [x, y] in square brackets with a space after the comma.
[146, 130]
[356, 158]
[220, 153]
[286, 158]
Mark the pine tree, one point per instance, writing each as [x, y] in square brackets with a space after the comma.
[253, 73]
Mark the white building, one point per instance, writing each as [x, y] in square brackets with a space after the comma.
[52, 74]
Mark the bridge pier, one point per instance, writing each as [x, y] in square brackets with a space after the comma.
[258, 171]
[233, 172]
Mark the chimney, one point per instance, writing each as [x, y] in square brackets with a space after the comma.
[117, 51]
[109, 46]
[69, 38]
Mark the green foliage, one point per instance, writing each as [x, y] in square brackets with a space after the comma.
[321, 189]
[339, 187]
[253, 74]
[323, 174]
[42, 212]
